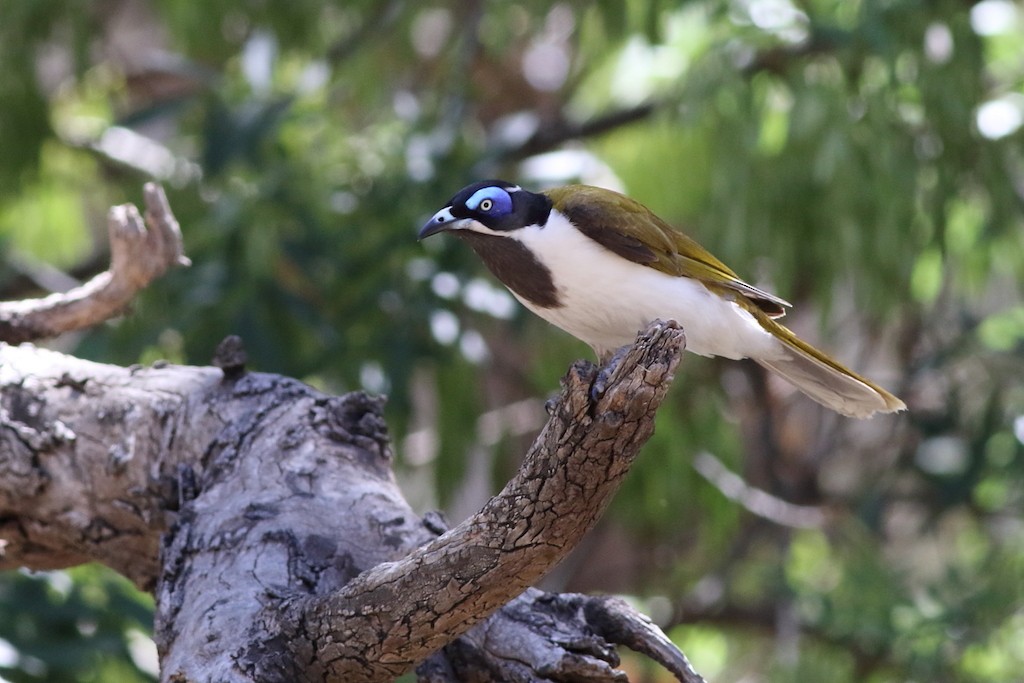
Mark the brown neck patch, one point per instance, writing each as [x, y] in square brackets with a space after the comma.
[516, 267]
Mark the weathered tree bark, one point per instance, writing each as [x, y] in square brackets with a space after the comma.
[265, 517]
[139, 253]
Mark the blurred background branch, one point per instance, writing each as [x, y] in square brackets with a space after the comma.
[755, 500]
[140, 253]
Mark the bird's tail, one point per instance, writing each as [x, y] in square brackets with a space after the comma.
[823, 379]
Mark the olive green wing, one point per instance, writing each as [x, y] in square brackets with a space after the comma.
[635, 233]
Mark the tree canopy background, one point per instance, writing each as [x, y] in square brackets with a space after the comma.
[860, 158]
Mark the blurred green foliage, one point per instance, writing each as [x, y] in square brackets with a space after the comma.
[861, 158]
[87, 624]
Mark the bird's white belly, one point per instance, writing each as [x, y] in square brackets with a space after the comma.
[606, 299]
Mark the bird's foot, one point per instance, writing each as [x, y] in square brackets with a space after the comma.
[604, 374]
[552, 404]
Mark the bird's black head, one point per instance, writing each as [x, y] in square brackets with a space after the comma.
[492, 206]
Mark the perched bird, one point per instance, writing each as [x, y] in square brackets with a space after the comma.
[602, 266]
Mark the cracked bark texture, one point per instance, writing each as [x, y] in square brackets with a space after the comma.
[563, 486]
[265, 517]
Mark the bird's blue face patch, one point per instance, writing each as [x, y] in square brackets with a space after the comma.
[489, 205]
[490, 201]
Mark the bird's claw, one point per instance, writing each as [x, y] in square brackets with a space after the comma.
[604, 374]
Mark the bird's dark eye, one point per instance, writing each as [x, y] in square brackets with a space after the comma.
[486, 205]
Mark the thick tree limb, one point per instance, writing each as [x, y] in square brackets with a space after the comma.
[265, 516]
[273, 498]
[139, 253]
[92, 458]
[560, 491]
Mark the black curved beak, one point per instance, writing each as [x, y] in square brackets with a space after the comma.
[440, 222]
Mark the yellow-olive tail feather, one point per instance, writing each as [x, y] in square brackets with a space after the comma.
[823, 379]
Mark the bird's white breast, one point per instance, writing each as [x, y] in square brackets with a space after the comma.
[606, 299]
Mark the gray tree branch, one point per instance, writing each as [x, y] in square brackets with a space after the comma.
[564, 485]
[253, 506]
[140, 252]
[266, 519]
